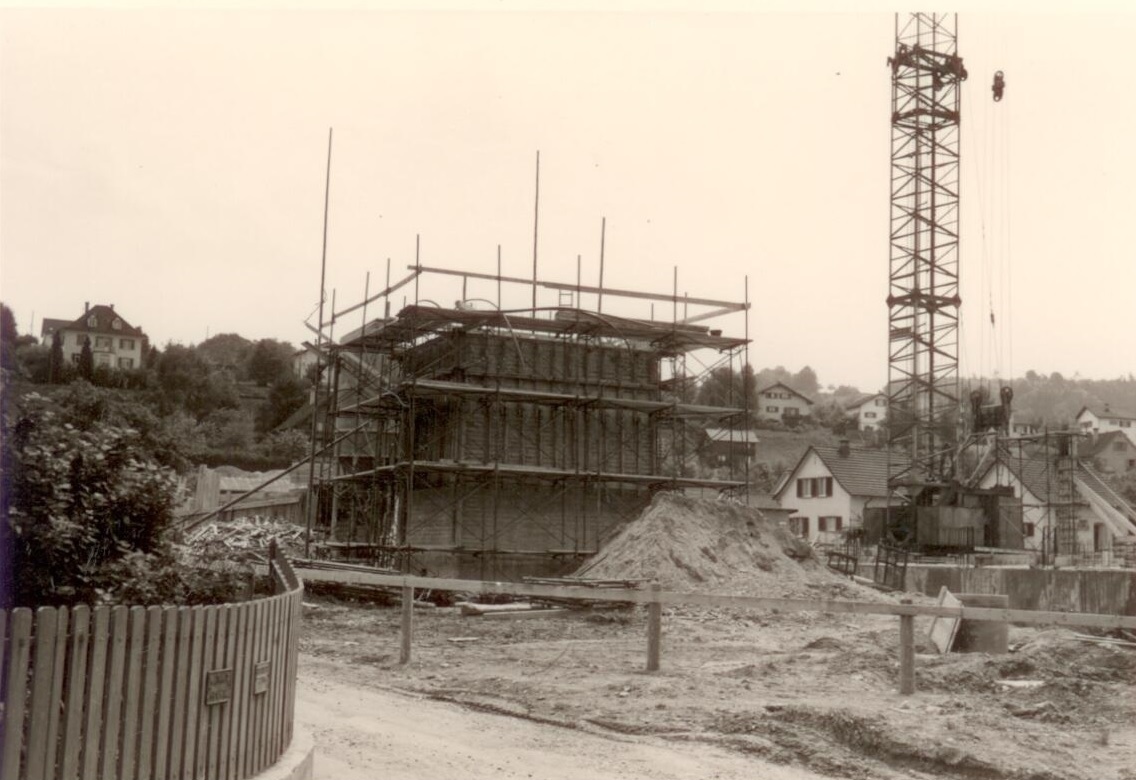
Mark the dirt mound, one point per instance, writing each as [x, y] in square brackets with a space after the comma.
[717, 546]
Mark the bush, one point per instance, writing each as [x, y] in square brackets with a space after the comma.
[85, 511]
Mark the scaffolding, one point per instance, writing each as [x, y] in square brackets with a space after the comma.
[481, 442]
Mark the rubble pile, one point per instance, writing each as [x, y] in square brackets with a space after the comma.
[689, 544]
[247, 538]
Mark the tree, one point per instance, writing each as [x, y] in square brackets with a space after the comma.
[8, 336]
[186, 382]
[805, 382]
[55, 365]
[87, 361]
[269, 361]
[285, 396]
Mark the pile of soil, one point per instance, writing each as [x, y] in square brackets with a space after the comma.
[717, 546]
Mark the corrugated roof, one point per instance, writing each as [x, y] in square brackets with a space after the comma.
[732, 435]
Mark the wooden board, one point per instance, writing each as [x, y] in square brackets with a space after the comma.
[944, 629]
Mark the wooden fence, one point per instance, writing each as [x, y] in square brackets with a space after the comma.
[655, 598]
[150, 692]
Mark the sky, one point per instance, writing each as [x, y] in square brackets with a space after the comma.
[173, 162]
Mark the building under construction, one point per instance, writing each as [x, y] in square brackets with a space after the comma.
[474, 441]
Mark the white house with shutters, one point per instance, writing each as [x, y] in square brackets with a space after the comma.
[829, 489]
[869, 412]
[782, 403]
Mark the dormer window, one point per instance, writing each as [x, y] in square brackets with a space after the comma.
[92, 321]
[117, 324]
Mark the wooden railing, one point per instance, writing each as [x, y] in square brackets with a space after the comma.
[150, 692]
[654, 598]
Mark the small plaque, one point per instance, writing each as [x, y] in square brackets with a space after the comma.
[260, 674]
[218, 686]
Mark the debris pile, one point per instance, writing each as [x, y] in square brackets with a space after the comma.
[247, 538]
[717, 546]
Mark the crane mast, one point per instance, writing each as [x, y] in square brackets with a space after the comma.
[923, 283]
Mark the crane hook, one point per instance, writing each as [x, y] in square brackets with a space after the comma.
[999, 86]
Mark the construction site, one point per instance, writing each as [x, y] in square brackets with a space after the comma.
[481, 427]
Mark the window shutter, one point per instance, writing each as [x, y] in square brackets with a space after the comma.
[800, 488]
[828, 486]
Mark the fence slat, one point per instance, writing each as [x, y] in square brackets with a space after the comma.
[216, 711]
[128, 758]
[240, 725]
[179, 703]
[202, 759]
[119, 631]
[19, 658]
[232, 739]
[152, 655]
[229, 712]
[193, 695]
[290, 699]
[43, 667]
[96, 680]
[273, 724]
[55, 697]
[252, 745]
[168, 655]
[77, 659]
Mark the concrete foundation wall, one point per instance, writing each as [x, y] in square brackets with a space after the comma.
[1109, 592]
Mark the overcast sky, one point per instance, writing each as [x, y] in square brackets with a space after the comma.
[172, 163]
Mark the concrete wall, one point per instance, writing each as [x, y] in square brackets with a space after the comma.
[1111, 592]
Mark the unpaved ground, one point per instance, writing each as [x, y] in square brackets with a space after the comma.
[364, 732]
[803, 691]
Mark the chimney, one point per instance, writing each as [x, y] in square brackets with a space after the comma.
[845, 448]
[86, 306]
[112, 307]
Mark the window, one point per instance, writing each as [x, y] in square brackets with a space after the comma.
[75, 358]
[814, 487]
[830, 523]
[799, 526]
[80, 338]
[126, 344]
[92, 321]
[771, 409]
[792, 411]
[126, 362]
[117, 324]
[880, 402]
[1125, 423]
[1028, 529]
[1131, 464]
[103, 342]
[869, 415]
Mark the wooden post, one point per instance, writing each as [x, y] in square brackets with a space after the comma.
[407, 622]
[654, 629]
[906, 652]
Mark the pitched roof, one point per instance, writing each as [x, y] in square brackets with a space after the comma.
[49, 326]
[1091, 449]
[863, 472]
[791, 390]
[861, 401]
[1106, 410]
[104, 317]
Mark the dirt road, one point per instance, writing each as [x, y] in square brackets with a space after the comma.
[363, 732]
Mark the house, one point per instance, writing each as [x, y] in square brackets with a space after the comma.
[115, 343]
[1111, 452]
[1099, 515]
[1104, 419]
[870, 412]
[1020, 427]
[830, 487]
[725, 445]
[782, 403]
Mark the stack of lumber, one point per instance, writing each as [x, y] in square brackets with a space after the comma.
[584, 582]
